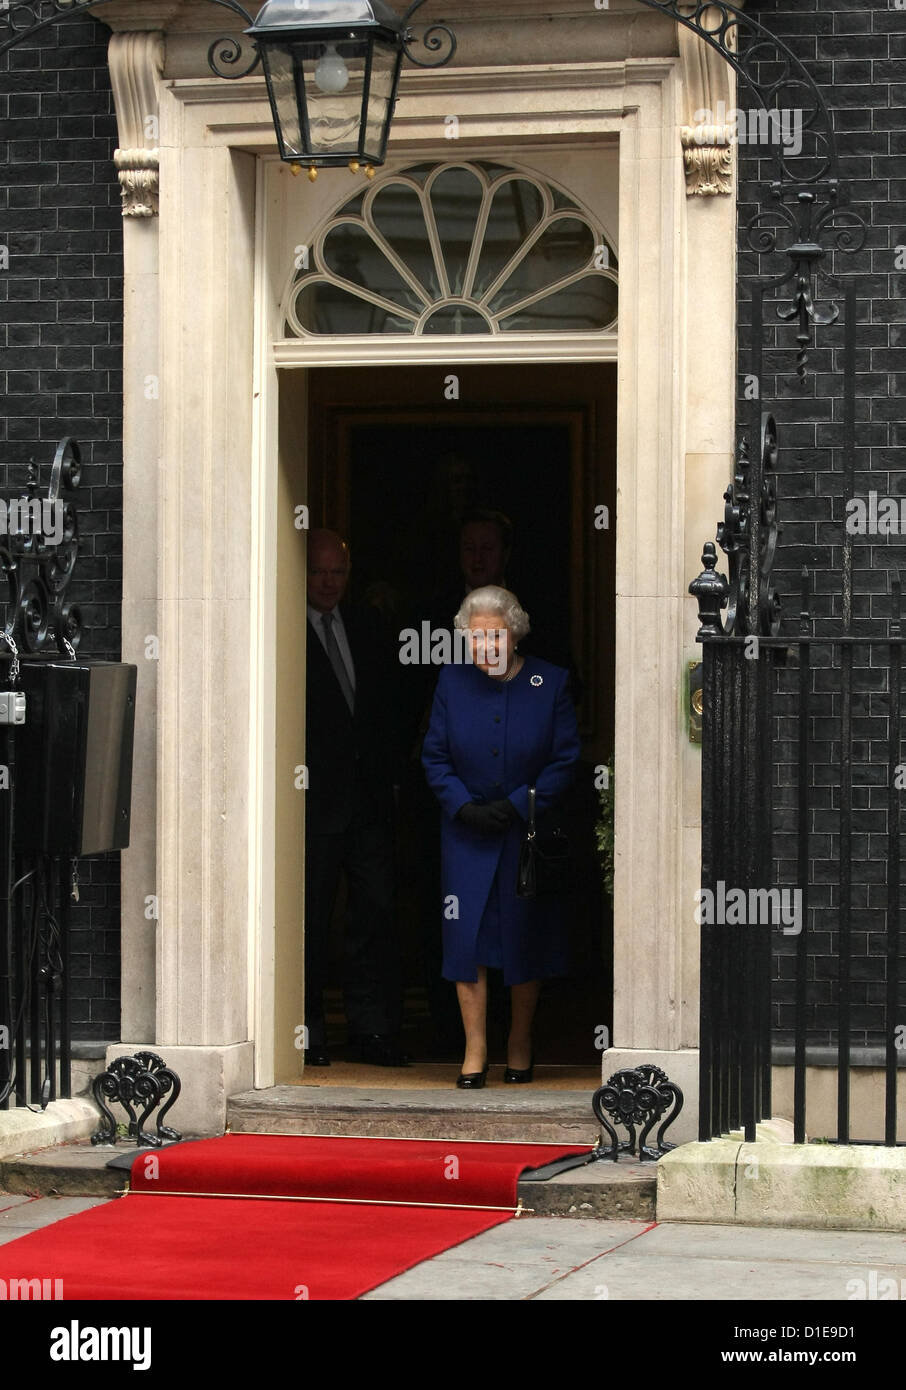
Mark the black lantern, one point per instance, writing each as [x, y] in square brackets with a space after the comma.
[332, 69]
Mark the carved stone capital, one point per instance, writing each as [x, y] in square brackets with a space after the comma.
[709, 93]
[709, 162]
[136, 62]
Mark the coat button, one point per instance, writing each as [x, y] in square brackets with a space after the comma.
[496, 718]
[495, 752]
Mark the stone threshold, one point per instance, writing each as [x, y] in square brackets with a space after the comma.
[516, 1113]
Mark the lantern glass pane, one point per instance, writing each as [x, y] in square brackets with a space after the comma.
[278, 69]
[331, 77]
[384, 69]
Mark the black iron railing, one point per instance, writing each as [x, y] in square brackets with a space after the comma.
[828, 698]
[38, 551]
[35, 1066]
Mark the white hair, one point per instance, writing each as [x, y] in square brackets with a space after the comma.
[501, 603]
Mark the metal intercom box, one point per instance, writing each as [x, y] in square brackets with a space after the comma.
[73, 757]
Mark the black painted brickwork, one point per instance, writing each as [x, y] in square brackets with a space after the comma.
[857, 54]
[61, 316]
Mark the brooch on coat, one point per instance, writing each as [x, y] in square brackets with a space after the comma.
[537, 680]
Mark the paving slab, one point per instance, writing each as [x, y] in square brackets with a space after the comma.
[551, 1259]
[8, 1200]
[35, 1214]
[513, 1261]
[633, 1276]
[772, 1243]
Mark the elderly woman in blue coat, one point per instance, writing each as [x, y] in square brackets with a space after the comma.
[500, 723]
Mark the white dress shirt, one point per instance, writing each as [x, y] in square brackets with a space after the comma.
[315, 618]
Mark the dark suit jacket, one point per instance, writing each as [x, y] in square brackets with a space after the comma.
[349, 757]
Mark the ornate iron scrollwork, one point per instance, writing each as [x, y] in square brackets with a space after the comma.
[750, 48]
[735, 535]
[637, 1099]
[808, 197]
[438, 38]
[19, 18]
[38, 564]
[229, 51]
[143, 1080]
[801, 213]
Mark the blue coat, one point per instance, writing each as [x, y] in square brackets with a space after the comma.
[488, 740]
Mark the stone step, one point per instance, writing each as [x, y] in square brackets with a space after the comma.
[69, 1170]
[625, 1189]
[515, 1113]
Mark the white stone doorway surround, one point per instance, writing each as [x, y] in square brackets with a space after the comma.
[205, 980]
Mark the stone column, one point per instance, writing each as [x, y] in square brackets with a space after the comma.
[188, 408]
[677, 365]
[135, 61]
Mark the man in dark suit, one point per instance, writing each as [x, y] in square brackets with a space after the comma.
[352, 752]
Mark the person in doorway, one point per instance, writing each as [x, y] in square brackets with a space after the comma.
[484, 543]
[486, 540]
[485, 549]
[499, 725]
[485, 546]
[352, 759]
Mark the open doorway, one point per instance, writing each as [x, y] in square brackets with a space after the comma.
[397, 458]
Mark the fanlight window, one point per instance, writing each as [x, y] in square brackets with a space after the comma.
[456, 248]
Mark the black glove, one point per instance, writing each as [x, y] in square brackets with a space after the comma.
[494, 818]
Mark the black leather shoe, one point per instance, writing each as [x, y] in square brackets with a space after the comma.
[380, 1050]
[514, 1074]
[317, 1057]
[472, 1080]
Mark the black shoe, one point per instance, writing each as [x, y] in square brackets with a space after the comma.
[317, 1057]
[472, 1080]
[514, 1074]
[380, 1050]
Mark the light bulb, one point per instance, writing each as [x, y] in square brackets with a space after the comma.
[331, 74]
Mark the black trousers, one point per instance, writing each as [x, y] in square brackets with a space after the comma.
[372, 988]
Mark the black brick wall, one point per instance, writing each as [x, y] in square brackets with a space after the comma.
[857, 54]
[61, 316]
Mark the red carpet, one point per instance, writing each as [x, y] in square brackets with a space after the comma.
[253, 1245]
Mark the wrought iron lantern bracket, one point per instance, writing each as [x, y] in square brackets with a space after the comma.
[235, 56]
[807, 208]
[438, 38]
[22, 18]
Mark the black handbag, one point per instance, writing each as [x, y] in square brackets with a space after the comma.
[544, 860]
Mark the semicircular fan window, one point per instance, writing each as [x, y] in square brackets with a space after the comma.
[456, 248]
